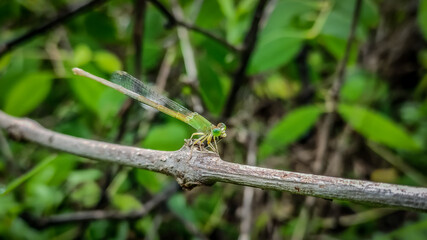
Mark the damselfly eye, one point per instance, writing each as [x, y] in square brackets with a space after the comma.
[216, 132]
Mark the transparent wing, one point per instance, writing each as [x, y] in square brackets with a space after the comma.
[132, 84]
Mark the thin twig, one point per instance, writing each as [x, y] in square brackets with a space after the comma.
[188, 56]
[165, 68]
[8, 46]
[248, 192]
[194, 168]
[139, 9]
[161, 81]
[357, 218]
[398, 163]
[84, 216]
[248, 47]
[325, 128]
[186, 49]
[336, 164]
[172, 21]
[54, 55]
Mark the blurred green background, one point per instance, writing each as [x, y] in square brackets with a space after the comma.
[380, 133]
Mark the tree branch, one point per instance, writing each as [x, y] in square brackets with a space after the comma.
[172, 21]
[43, 28]
[193, 168]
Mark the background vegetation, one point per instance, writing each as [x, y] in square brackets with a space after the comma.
[275, 99]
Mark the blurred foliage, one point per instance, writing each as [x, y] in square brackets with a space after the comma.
[383, 99]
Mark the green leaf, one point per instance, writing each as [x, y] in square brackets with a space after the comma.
[361, 87]
[20, 65]
[109, 105]
[107, 61]
[370, 16]
[411, 230]
[8, 205]
[61, 168]
[82, 55]
[277, 86]
[80, 176]
[152, 54]
[87, 194]
[284, 12]
[17, 182]
[274, 51]
[377, 127]
[292, 127]
[178, 204]
[227, 8]
[126, 202]
[422, 17]
[28, 93]
[154, 24]
[211, 88]
[166, 137]
[338, 23]
[209, 14]
[100, 26]
[336, 47]
[150, 180]
[4, 61]
[209, 209]
[87, 91]
[118, 181]
[41, 198]
[9, 10]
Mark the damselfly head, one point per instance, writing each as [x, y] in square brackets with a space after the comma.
[219, 130]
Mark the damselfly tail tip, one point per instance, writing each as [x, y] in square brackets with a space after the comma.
[77, 71]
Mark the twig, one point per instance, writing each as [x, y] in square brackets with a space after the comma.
[398, 163]
[325, 128]
[188, 56]
[55, 55]
[357, 218]
[248, 47]
[336, 164]
[194, 168]
[138, 41]
[84, 216]
[165, 68]
[187, 51]
[161, 81]
[8, 46]
[248, 192]
[301, 225]
[172, 21]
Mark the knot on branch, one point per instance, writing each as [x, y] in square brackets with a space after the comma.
[188, 172]
[14, 132]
